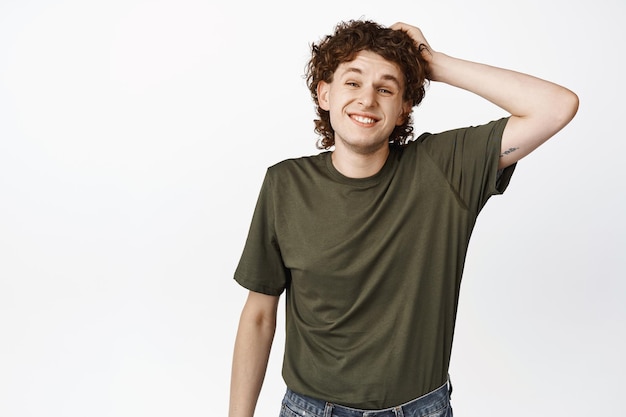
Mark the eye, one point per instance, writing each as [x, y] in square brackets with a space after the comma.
[385, 91]
[352, 84]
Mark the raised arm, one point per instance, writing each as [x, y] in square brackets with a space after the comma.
[538, 108]
[255, 335]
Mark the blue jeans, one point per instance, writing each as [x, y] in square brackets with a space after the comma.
[433, 404]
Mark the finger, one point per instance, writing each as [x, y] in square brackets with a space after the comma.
[424, 49]
[414, 32]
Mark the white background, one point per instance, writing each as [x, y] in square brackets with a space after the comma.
[134, 136]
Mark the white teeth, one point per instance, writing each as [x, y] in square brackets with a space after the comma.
[363, 119]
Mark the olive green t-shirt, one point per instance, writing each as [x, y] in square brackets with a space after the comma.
[372, 266]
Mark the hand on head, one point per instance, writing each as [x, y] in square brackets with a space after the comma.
[418, 37]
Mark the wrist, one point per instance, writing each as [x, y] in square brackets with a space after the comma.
[437, 63]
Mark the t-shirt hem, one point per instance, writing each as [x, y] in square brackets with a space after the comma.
[252, 286]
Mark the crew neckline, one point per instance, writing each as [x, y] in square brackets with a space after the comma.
[360, 182]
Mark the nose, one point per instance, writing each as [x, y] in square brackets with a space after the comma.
[367, 96]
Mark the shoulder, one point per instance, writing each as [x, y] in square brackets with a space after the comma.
[302, 164]
[477, 136]
[494, 127]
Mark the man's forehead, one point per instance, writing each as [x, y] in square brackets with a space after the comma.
[367, 62]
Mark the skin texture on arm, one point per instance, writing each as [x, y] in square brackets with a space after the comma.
[538, 108]
[253, 343]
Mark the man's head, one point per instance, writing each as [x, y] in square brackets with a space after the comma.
[343, 46]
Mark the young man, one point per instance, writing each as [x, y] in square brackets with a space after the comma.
[369, 238]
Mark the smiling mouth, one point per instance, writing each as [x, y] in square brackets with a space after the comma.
[363, 119]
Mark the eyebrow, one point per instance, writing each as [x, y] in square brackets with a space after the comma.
[386, 77]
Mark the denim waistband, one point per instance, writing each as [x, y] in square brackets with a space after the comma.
[437, 401]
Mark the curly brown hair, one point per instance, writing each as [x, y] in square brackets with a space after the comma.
[350, 38]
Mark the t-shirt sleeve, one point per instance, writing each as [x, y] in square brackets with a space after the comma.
[469, 159]
[261, 268]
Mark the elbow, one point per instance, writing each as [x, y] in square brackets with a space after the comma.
[559, 112]
[567, 107]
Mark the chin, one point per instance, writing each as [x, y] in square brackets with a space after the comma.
[365, 146]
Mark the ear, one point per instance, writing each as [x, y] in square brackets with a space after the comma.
[322, 95]
[404, 113]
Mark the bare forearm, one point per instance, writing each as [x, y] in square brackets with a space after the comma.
[250, 358]
[519, 94]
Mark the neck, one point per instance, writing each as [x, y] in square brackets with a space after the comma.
[356, 165]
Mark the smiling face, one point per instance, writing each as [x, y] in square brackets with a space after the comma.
[365, 103]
